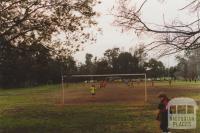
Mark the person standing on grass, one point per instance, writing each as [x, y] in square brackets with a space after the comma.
[162, 115]
[93, 89]
[102, 84]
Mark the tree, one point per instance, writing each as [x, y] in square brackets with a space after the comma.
[88, 59]
[24, 64]
[102, 67]
[189, 65]
[127, 63]
[89, 66]
[111, 56]
[70, 65]
[37, 38]
[182, 67]
[42, 20]
[30, 65]
[174, 37]
[171, 72]
[7, 62]
[194, 63]
[141, 56]
[156, 68]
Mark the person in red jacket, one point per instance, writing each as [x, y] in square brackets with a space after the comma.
[162, 115]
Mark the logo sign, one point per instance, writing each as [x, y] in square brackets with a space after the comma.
[182, 113]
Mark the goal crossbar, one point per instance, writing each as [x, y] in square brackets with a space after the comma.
[106, 75]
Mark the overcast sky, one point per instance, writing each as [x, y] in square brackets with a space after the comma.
[113, 37]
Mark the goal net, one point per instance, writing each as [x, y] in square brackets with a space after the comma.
[107, 87]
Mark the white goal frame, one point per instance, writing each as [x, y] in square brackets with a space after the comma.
[105, 75]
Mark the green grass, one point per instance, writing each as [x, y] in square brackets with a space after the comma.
[27, 96]
[33, 110]
[178, 83]
[78, 119]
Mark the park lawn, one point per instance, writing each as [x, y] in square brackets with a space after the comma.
[27, 96]
[78, 119]
[33, 110]
[177, 84]
[81, 119]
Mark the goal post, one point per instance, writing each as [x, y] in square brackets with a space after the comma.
[101, 76]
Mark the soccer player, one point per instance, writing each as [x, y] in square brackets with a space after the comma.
[93, 89]
[101, 84]
[162, 115]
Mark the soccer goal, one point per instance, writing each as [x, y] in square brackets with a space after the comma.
[130, 80]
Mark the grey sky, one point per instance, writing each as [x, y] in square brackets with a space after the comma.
[112, 36]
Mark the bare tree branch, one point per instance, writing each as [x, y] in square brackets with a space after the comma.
[174, 37]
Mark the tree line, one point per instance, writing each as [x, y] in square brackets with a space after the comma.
[115, 61]
[31, 65]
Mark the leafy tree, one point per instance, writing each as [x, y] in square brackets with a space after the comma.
[194, 64]
[182, 67]
[42, 20]
[172, 71]
[22, 64]
[111, 55]
[102, 67]
[88, 59]
[32, 65]
[155, 68]
[128, 63]
[70, 65]
[189, 65]
[37, 38]
[140, 54]
[89, 64]
[7, 62]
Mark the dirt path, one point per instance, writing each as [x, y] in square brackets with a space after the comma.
[121, 93]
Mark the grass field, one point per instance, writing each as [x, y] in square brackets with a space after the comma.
[114, 109]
